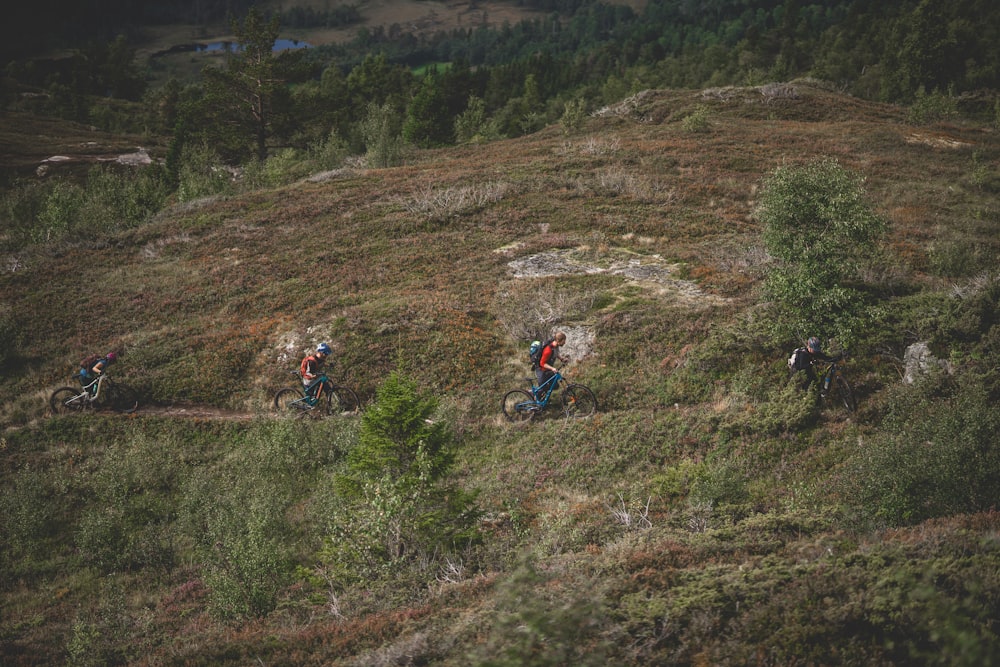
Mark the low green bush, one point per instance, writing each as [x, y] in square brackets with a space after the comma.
[935, 456]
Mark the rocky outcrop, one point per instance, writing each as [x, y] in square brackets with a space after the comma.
[918, 361]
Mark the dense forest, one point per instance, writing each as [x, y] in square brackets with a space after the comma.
[388, 89]
[524, 74]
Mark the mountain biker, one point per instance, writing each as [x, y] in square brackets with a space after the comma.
[93, 367]
[309, 370]
[550, 354]
[811, 353]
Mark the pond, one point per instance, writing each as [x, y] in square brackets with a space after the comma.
[279, 45]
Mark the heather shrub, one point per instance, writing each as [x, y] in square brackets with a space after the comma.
[126, 522]
[60, 214]
[932, 107]
[935, 456]
[784, 407]
[110, 200]
[202, 173]
[697, 120]
[539, 622]
[116, 200]
[27, 515]
[238, 514]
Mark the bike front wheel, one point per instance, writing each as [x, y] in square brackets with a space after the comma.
[123, 398]
[518, 406]
[291, 400]
[66, 400]
[344, 399]
[846, 394]
[578, 401]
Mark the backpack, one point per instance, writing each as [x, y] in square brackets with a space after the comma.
[535, 351]
[799, 361]
[87, 364]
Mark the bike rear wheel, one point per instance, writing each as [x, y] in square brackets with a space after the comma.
[292, 401]
[846, 394]
[67, 400]
[344, 398]
[518, 406]
[578, 401]
[122, 398]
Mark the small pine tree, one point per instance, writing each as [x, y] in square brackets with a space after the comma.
[397, 502]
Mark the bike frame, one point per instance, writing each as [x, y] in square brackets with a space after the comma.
[85, 394]
[552, 382]
[826, 379]
[99, 381]
[312, 400]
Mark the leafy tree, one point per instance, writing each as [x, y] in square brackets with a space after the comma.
[472, 124]
[111, 69]
[820, 229]
[381, 134]
[376, 80]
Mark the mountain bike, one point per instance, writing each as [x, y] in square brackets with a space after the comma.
[832, 383]
[102, 392]
[578, 401]
[325, 398]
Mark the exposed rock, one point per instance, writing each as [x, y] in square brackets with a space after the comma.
[918, 361]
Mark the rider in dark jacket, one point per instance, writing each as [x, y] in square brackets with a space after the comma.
[814, 353]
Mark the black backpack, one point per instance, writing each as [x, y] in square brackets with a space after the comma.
[800, 359]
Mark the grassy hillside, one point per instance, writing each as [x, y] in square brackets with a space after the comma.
[709, 514]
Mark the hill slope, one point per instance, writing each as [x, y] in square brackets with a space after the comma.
[707, 515]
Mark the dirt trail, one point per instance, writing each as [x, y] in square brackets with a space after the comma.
[195, 412]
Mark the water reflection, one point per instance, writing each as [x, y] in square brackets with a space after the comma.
[279, 45]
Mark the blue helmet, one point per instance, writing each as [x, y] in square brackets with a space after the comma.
[814, 345]
[323, 348]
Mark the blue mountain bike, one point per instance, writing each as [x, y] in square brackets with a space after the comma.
[520, 405]
[324, 398]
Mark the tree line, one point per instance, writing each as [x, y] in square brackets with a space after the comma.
[387, 88]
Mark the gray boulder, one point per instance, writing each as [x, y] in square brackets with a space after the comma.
[918, 361]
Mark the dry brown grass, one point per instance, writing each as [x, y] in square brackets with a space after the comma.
[410, 268]
[370, 253]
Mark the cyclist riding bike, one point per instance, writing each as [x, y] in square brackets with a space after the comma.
[311, 368]
[92, 368]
